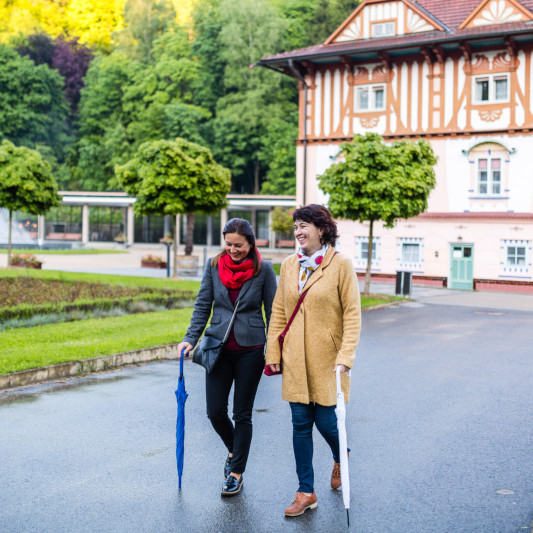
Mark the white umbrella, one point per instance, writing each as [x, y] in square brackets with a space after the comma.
[340, 411]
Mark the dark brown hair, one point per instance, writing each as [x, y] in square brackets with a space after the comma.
[242, 227]
[321, 218]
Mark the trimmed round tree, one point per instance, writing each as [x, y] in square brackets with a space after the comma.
[379, 181]
[175, 178]
[26, 184]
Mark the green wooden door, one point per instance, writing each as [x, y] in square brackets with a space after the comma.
[462, 266]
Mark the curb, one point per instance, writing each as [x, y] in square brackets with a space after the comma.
[88, 366]
[106, 362]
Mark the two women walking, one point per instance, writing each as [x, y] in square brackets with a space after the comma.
[322, 335]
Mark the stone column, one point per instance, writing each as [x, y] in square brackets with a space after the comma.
[209, 231]
[130, 230]
[178, 230]
[271, 232]
[223, 222]
[85, 223]
[40, 229]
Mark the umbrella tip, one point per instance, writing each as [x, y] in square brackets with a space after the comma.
[348, 516]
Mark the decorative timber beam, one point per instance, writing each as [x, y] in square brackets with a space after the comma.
[466, 50]
[349, 65]
[510, 44]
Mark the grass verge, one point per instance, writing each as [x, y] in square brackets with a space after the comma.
[126, 281]
[66, 251]
[22, 349]
[34, 347]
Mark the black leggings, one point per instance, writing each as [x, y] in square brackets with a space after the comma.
[245, 368]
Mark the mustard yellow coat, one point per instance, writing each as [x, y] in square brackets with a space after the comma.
[325, 331]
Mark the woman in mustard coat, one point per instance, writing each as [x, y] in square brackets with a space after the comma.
[323, 335]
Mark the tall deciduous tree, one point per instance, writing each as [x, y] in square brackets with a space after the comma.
[94, 21]
[175, 178]
[33, 109]
[126, 103]
[378, 181]
[26, 184]
[144, 22]
[70, 58]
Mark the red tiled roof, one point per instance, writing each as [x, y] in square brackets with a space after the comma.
[454, 12]
[451, 13]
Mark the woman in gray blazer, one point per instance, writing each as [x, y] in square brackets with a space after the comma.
[236, 273]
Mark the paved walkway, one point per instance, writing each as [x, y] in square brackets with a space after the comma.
[439, 424]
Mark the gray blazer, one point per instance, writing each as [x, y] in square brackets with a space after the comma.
[249, 326]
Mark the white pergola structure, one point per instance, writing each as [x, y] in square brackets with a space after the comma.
[237, 202]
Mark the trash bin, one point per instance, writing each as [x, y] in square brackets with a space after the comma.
[403, 283]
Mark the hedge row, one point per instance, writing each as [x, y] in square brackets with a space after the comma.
[22, 311]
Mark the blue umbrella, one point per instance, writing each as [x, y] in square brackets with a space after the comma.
[181, 396]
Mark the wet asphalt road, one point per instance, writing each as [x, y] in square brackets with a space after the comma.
[440, 422]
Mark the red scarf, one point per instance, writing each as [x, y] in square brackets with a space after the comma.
[233, 275]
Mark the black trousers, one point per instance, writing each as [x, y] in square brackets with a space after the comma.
[245, 369]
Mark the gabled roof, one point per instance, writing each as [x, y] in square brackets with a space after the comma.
[454, 12]
[351, 27]
[491, 12]
[451, 22]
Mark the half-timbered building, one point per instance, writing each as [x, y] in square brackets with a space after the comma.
[459, 74]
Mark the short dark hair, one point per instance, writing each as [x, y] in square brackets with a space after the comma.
[241, 226]
[321, 218]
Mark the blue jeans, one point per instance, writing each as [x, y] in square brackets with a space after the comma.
[303, 418]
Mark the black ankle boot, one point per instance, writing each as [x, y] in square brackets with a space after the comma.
[231, 486]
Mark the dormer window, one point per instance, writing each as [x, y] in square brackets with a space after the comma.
[383, 29]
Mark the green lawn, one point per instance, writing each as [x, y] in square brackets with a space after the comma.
[127, 281]
[68, 251]
[22, 349]
[33, 347]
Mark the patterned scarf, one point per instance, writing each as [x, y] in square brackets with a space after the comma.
[309, 264]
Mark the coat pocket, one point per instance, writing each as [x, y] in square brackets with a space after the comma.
[256, 322]
[333, 340]
[215, 319]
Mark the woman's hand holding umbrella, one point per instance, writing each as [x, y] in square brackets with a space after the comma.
[184, 347]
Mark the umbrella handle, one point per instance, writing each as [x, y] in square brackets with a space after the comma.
[181, 362]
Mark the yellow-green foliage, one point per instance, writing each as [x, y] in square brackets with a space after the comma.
[93, 21]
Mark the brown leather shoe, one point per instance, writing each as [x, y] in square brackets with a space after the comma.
[301, 503]
[336, 476]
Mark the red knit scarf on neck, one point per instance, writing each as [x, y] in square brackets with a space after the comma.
[233, 275]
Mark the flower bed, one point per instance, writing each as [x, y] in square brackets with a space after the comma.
[24, 297]
[153, 261]
[25, 261]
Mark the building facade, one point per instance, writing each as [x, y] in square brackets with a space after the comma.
[459, 74]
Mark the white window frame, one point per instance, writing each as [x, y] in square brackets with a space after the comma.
[514, 249]
[510, 249]
[407, 263]
[490, 182]
[362, 252]
[389, 29]
[372, 91]
[412, 246]
[491, 79]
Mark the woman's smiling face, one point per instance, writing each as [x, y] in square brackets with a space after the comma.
[308, 236]
[237, 247]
